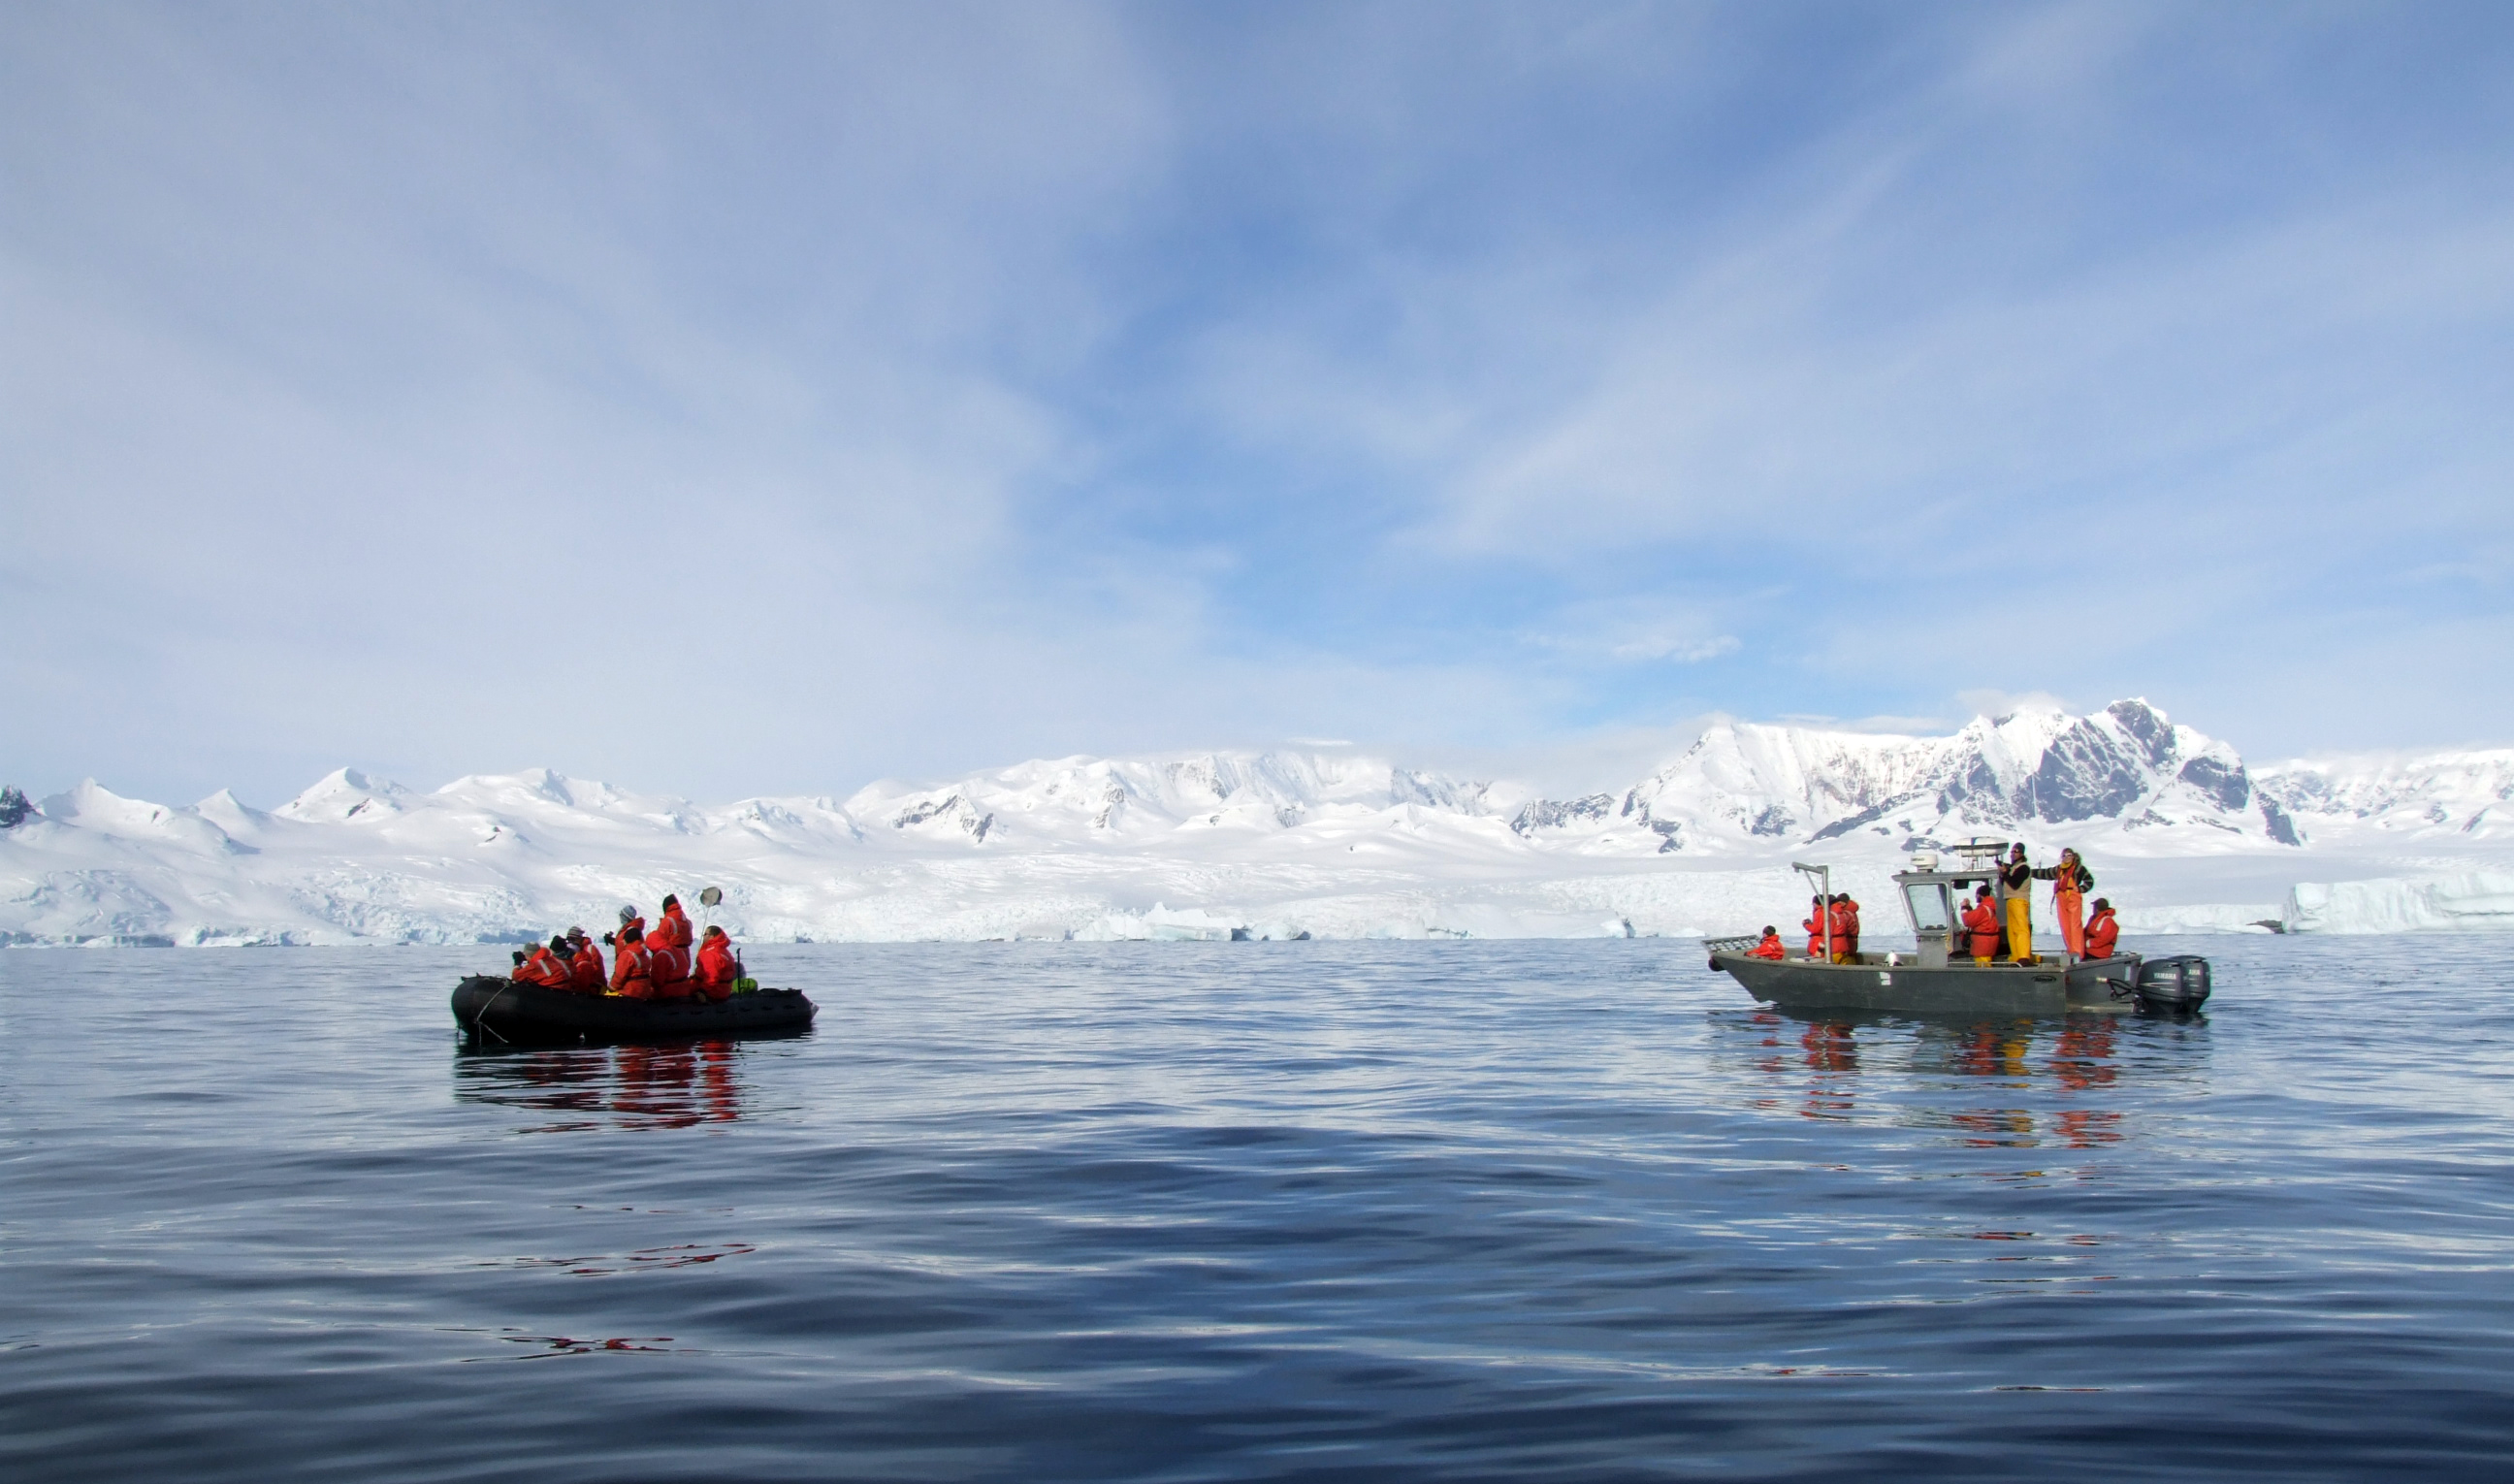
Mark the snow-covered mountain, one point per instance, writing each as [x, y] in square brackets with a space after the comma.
[1278, 844]
[2124, 768]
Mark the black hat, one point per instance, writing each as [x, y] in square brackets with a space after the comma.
[672, 901]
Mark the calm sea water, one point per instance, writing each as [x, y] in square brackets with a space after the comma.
[1255, 1211]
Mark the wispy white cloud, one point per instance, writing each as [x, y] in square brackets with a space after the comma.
[930, 387]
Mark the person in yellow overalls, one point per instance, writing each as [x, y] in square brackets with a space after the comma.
[2016, 891]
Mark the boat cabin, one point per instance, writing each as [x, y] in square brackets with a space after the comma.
[1935, 897]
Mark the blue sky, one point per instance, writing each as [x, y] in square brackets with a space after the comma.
[762, 398]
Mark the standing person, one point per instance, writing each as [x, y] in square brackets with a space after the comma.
[2070, 882]
[1850, 928]
[2102, 931]
[2016, 892]
[1818, 927]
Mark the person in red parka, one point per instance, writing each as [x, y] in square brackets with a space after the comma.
[671, 930]
[540, 967]
[667, 945]
[1771, 946]
[585, 972]
[1844, 915]
[2102, 931]
[1982, 920]
[1818, 916]
[718, 965]
[632, 969]
[553, 964]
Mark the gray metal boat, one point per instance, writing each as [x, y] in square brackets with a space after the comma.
[1939, 978]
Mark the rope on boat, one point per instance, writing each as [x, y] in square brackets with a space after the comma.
[480, 1016]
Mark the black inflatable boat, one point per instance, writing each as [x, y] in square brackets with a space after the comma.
[492, 1010]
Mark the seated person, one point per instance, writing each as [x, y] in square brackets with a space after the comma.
[1981, 921]
[2103, 933]
[632, 974]
[584, 963]
[718, 965]
[667, 964]
[671, 930]
[547, 966]
[1771, 946]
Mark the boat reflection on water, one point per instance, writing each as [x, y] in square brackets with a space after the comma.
[656, 1087]
[2058, 1071]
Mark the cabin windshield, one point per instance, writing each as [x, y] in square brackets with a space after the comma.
[1929, 903]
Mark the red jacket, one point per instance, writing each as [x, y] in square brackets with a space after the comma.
[1770, 948]
[667, 943]
[716, 964]
[585, 970]
[631, 968]
[1981, 919]
[2102, 933]
[669, 968]
[671, 930]
[1845, 922]
[545, 967]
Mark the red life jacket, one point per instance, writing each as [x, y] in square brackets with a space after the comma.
[1770, 948]
[669, 968]
[716, 963]
[671, 930]
[1982, 921]
[542, 968]
[2102, 933]
[630, 971]
[1845, 918]
[1814, 926]
[585, 970]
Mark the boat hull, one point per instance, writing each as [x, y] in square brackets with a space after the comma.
[2050, 989]
[500, 1009]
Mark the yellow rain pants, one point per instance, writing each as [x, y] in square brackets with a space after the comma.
[2020, 928]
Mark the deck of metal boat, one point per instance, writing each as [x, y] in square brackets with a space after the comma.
[1899, 982]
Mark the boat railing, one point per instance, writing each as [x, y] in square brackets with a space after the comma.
[1740, 943]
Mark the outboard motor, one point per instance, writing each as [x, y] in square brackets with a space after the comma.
[2180, 983]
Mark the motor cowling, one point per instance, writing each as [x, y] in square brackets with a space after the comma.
[2180, 983]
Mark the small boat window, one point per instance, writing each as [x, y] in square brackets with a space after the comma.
[1929, 912]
